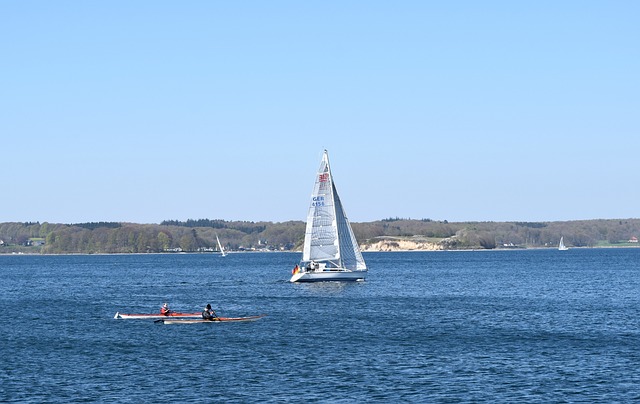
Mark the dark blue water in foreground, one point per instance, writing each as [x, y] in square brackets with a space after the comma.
[509, 326]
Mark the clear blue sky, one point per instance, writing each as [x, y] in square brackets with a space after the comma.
[142, 111]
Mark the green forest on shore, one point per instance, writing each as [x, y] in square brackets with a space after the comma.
[200, 235]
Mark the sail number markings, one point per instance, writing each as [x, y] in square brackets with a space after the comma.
[317, 201]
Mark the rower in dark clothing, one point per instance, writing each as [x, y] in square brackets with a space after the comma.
[209, 314]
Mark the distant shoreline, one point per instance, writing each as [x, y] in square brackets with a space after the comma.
[393, 234]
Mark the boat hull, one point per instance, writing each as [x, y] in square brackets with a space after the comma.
[329, 276]
[123, 316]
[219, 320]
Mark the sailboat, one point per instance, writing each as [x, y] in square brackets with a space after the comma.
[330, 252]
[561, 246]
[222, 253]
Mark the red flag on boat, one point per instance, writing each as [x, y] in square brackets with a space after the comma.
[296, 269]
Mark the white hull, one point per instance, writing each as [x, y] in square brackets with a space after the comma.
[327, 276]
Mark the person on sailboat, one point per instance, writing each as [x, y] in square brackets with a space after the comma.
[165, 310]
[209, 314]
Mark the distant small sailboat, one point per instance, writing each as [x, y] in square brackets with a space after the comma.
[330, 252]
[222, 253]
[561, 246]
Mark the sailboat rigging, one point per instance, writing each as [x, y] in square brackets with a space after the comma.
[331, 252]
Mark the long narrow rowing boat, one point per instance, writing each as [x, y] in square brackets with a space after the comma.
[123, 316]
[218, 320]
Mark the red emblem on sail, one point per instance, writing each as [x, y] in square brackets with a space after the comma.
[323, 177]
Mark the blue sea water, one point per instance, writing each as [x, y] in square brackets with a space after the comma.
[491, 326]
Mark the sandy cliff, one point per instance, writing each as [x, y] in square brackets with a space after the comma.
[402, 245]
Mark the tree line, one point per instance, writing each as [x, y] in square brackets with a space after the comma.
[200, 235]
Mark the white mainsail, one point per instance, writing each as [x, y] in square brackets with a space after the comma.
[329, 238]
[321, 236]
